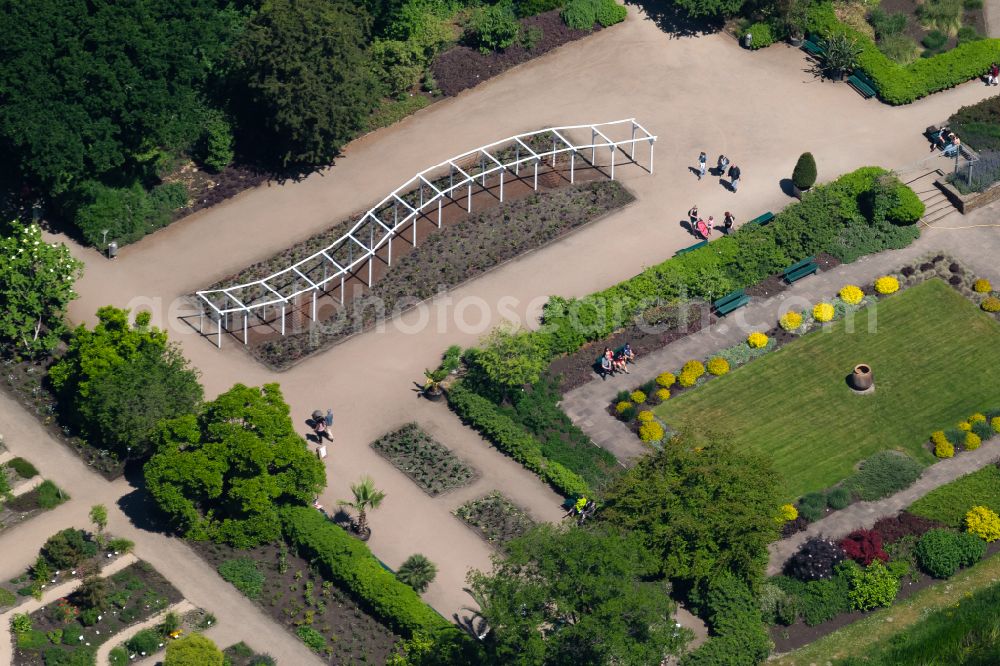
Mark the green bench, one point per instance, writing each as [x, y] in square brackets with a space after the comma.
[689, 249]
[813, 45]
[800, 269]
[762, 220]
[730, 302]
[863, 84]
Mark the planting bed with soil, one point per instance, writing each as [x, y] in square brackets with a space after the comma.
[208, 189]
[19, 509]
[299, 599]
[418, 455]
[495, 518]
[133, 594]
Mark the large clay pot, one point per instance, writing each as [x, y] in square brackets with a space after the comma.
[861, 378]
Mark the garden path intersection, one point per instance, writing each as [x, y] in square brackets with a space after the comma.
[761, 109]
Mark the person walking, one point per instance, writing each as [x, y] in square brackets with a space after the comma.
[693, 215]
[728, 221]
[722, 165]
[329, 418]
[702, 165]
[734, 177]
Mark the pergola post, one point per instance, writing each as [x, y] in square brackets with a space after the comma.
[282, 318]
[201, 319]
[572, 165]
[439, 212]
[593, 147]
[652, 145]
[390, 249]
[342, 289]
[517, 160]
[501, 184]
[536, 174]
[314, 305]
[613, 151]
[553, 153]
[469, 204]
[219, 343]
[244, 328]
[631, 153]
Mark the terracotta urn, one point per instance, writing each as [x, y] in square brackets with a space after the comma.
[861, 378]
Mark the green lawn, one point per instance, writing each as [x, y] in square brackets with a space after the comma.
[951, 502]
[935, 358]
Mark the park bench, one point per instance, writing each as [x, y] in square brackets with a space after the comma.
[689, 249]
[800, 269]
[730, 302]
[863, 84]
[762, 220]
[813, 45]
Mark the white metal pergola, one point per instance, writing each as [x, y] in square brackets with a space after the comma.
[330, 267]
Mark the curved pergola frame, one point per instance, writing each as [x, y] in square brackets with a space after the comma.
[418, 197]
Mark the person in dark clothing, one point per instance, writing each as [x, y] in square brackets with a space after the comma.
[728, 221]
[734, 177]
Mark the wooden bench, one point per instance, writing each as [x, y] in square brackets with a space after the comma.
[730, 302]
[689, 249]
[813, 45]
[762, 220]
[800, 269]
[863, 84]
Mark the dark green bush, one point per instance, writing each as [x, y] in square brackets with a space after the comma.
[128, 213]
[968, 33]
[824, 600]
[531, 7]
[886, 24]
[804, 174]
[763, 35]
[31, 640]
[68, 548]
[583, 14]
[940, 552]
[494, 27]
[147, 641]
[734, 618]
[609, 13]
[883, 474]
[934, 40]
[838, 498]
[49, 495]
[244, 574]
[24, 469]
[812, 506]
[118, 656]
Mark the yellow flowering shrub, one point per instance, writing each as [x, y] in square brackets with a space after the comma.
[944, 449]
[687, 379]
[787, 512]
[651, 431]
[851, 294]
[663, 394]
[638, 397]
[622, 406]
[665, 379]
[991, 304]
[964, 426]
[718, 366]
[982, 286]
[984, 523]
[886, 285]
[972, 441]
[790, 321]
[995, 423]
[645, 416]
[696, 368]
[757, 340]
[823, 312]
[977, 418]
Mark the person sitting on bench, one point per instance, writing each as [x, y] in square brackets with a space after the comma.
[619, 363]
[606, 366]
[628, 353]
[953, 147]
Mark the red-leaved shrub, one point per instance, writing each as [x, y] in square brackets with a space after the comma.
[905, 524]
[864, 546]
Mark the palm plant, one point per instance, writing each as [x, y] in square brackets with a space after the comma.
[366, 497]
[417, 572]
[841, 55]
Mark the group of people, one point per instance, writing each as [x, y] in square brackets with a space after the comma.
[582, 509]
[946, 140]
[612, 362]
[704, 228]
[722, 168]
[993, 75]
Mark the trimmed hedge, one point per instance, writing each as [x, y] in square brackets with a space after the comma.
[346, 560]
[899, 84]
[504, 433]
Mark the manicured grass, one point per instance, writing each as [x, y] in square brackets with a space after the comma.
[935, 357]
[858, 639]
[951, 502]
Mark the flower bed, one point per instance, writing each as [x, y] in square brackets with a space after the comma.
[65, 630]
[453, 255]
[151, 641]
[495, 518]
[431, 466]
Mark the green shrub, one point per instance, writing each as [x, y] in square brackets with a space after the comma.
[885, 24]
[812, 506]
[348, 562]
[838, 498]
[7, 598]
[312, 638]
[24, 469]
[494, 27]
[417, 571]
[804, 174]
[941, 552]
[68, 548]
[934, 40]
[907, 209]
[49, 495]
[118, 656]
[145, 642]
[84, 656]
[128, 213]
[968, 33]
[734, 617]
[825, 599]
[583, 14]
[609, 13]
[763, 35]
[120, 546]
[883, 474]
[215, 147]
[901, 49]
[244, 574]
[525, 8]
[872, 587]
[32, 639]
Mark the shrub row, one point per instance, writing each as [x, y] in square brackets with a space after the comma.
[481, 414]
[348, 562]
[734, 617]
[899, 84]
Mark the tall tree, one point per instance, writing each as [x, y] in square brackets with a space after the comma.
[223, 473]
[307, 81]
[576, 596]
[36, 285]
[701, 505]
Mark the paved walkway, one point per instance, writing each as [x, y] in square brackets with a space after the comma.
[864, 514]
[670, 85]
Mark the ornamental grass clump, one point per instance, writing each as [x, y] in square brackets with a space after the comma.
[790, 321]
[851, 294]
[823, 312]
[984, 523]
[886, 285]
[651, 432]
[757, 340]
[991, 304]
[665, 379]
[717, 366]
[982, 286]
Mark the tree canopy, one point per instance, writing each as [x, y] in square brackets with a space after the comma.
[223, 473]
[36, 285]
[701, 505]
[576, 596]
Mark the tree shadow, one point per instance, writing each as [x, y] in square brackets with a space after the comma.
[787, 187]
[140, 507]
[674, 21]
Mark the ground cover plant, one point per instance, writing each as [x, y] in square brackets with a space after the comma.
[914, 358]
[454, 254]
[418, 455]
[241, 654]
[495, 518]
[45, 496]
[67, 630]
[153, 640]
[949, 503]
